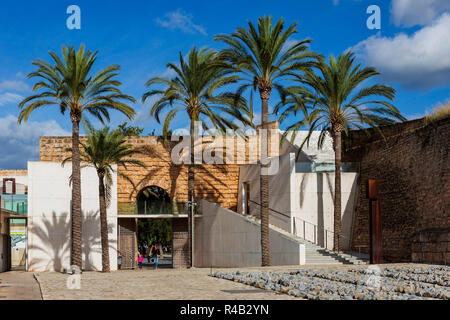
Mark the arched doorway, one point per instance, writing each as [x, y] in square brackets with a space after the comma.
[151, 230]
[153, 200]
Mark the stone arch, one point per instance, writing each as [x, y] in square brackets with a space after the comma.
[153, 199]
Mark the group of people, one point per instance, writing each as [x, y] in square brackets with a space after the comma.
[153, 253]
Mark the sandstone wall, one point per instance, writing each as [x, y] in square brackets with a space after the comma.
[8, 173]
[215, 182]
[413, 170]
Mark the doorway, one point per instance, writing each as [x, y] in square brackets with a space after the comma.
[155, 233]
[18, 244]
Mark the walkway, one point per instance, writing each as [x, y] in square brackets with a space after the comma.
[170, 284]
[19, 285]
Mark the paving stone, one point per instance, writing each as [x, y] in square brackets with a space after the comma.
[170, 284]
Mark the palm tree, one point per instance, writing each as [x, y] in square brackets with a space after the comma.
[335, 100]
[70, 86]
[264, 58]
[193, 90]
[102, 150]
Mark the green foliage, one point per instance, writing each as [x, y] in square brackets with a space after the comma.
[103, 149]
[129, 130]
[263, 56]
[438, 113]
[151, 231]
[70, 86]
[154, 193]
[194, 91]
[335, 98]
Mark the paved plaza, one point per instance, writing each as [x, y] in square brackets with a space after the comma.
[19, 285]
[170, 284]
[397, 281]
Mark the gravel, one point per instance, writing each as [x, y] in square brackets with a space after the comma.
[373, 283]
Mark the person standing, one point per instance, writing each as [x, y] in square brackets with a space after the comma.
[156, 253]
[140, 261]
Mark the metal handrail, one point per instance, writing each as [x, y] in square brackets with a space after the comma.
[8, 199]
[281, 213]
[316, 227]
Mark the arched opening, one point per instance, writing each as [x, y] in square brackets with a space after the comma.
[154, 234]
[153, 200]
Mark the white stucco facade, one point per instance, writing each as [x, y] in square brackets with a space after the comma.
[224, 238]
[49, 203]
[302, 203]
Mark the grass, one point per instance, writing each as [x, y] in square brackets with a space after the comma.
[438, 113]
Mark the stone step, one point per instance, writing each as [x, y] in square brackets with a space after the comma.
[316, 254]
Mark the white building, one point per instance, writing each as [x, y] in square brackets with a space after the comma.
[301, 214]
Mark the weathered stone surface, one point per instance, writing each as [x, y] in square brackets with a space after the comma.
[413, 170]
[215, 182]
[389, 283]
[7, 173]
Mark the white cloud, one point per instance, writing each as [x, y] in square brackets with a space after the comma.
[20, 143]
[10, 98]
[15, 85]
[182, 21]
[409, 13]
[143, 116]
[421, 60]
[169, 73]
[288, 44]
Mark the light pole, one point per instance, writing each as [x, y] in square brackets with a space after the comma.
[192, 204]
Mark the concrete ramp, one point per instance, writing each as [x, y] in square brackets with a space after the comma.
[224, 238]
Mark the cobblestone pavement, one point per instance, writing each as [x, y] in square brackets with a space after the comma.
[382, 282]
[170, 284]
[19, 285]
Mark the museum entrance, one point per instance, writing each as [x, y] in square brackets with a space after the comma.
[154, 242]
[157, 232]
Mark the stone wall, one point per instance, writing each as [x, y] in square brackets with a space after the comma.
[180, 243]
[431, 246]
[8, 173]
[413, 170]
[215, 182]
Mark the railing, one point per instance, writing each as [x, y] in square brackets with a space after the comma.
[318, 167]
[151, 208]
[304, 223]
[274, 211]
[326, 231]
[17, 203]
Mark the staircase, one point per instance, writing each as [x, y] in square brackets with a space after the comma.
[316, 255]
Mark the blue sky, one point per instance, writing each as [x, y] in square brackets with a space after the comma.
[411, 50]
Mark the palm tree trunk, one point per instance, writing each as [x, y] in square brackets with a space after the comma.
[337, 239]
[75, 254]
[191, 192]
[264, 181]
[103, 223]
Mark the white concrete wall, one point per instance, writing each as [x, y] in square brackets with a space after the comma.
[19, 179]
[49, 199]
[224, 238]
[310, 152]
[279, 190]
[314, 204]
[306, 197]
